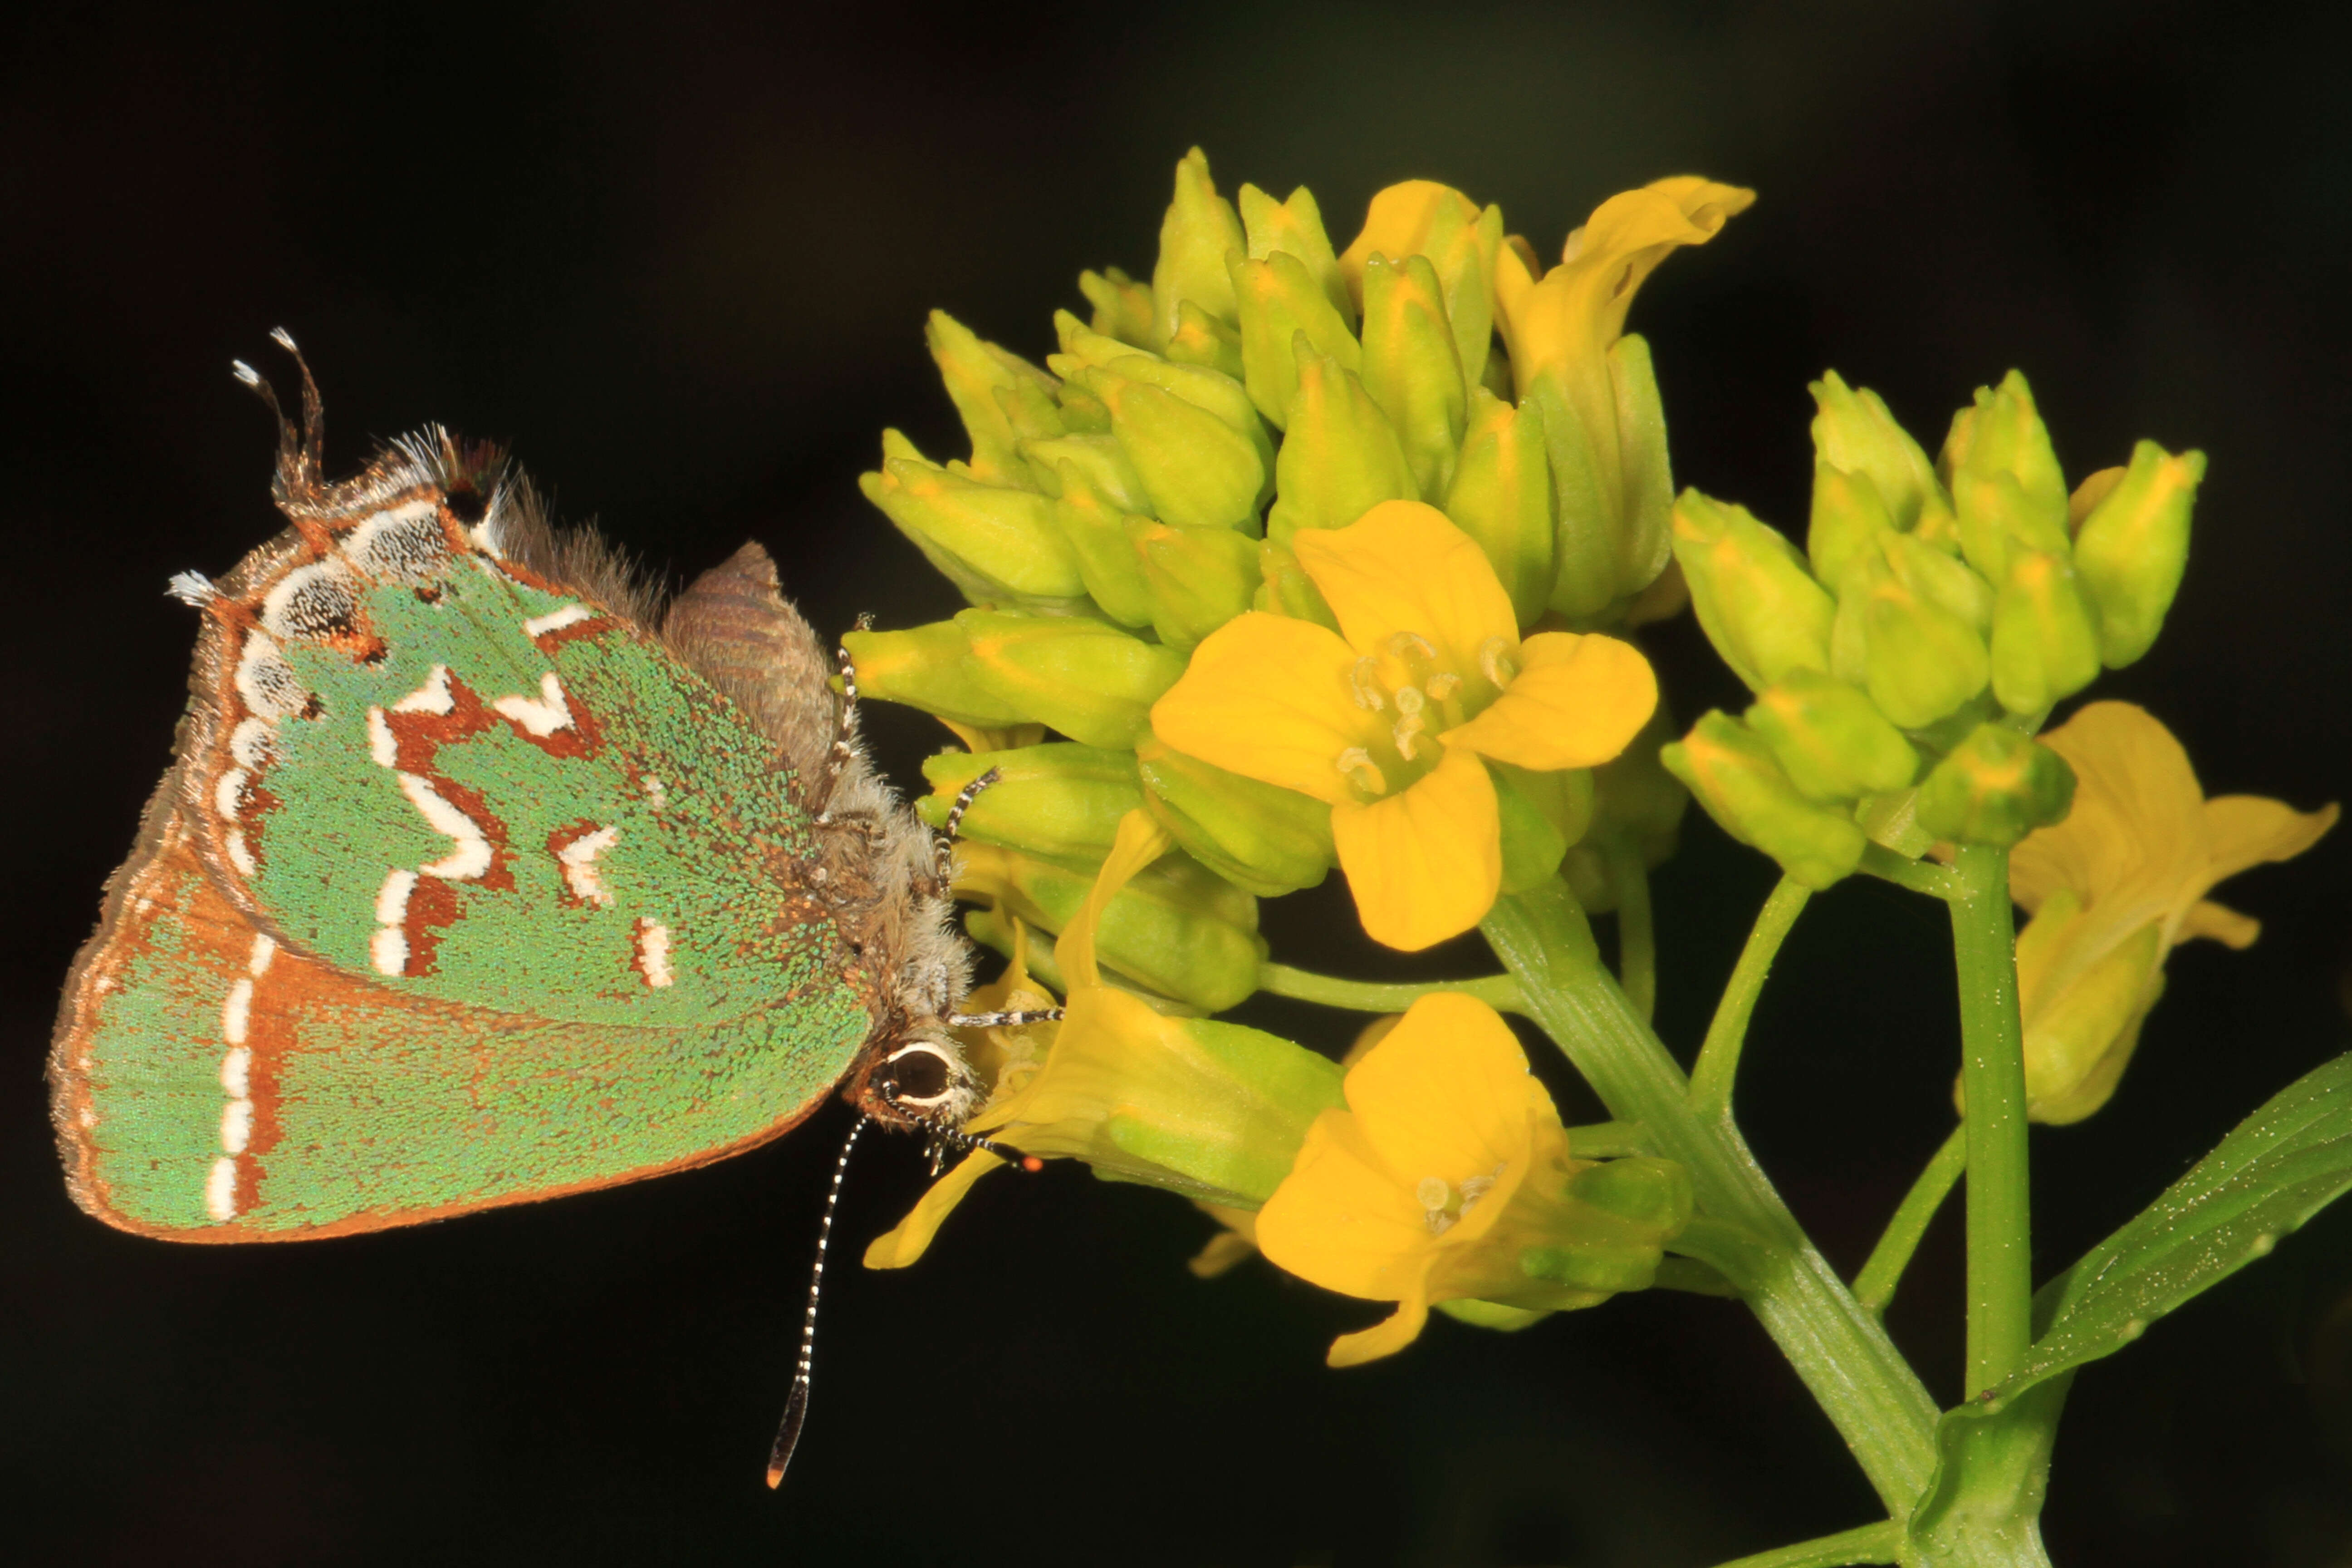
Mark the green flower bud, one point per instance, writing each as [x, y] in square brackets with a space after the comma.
[1287, 589]
[1501, 497]
[2045, 636]
[1082, 413]
[1754, 598]
[1091, 681]
[1584, 509]
[1855, 434]
[1635, 802]
[1940, 579]
[1849, 516]
[1736, 778]
[1461, 241]
[1411, 369]
[1644, 535]
[1084, 349]
[1920, 661]
[1122, 306]
[1054, 799]
[1263, 839]
[2006, 482]
[1339, 458]
[2133, 546]
[1295, 228]
[928, 667]
[975, 371]
[994, 542]
[1203, 339]
[1196, 238]
[1542, 815]
[1624, 1210]
[1200, 578]
[1030, 411]
[1178, 928]
[1199, 469]
[1996, 787]
[1099, 459]
[1096, 529]
[1279, 299]
[1829, 739]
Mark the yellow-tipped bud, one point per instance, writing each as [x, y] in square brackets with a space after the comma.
[1261, 838]
[1502, 498]
[2133, 546]
[2006, 482]
[1201, 339]
[1122, 306]
[1849, 515]
[1091, 681]
[1200, 578]
[1833, 745]
[1199, 468]
[1295, 228]
[1285, 589]
[1279, 299]
[1412, 368]
[1094, 525]
[2045, 635]
[1994, 788]
[1054, 799]
[1757, 602]
[1742, 785]
[1197, 238]
[1854, 434]
[975, 373]
[1340, 459]
[1919, 661]
[929, 667]
[1100, 461]
[1421, 217]
[996, 543]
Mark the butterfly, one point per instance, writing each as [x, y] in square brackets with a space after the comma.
[479, 876]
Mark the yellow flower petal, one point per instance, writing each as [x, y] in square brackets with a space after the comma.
[898, 1247]
[1404, 568]
[2136, 832]
[1445, 1093]
[1576, 703]
[1426, 863]
[1138, 841]
[1382, 1339]
[1267, 697]
[2246, 830]
[2222, 923]
[1402, 220]
[1342, 1220]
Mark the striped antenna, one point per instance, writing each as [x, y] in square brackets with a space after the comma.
[788, 1434]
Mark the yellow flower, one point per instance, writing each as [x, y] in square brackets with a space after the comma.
[2116, 887]
[1387, 718]
[1448, 1177]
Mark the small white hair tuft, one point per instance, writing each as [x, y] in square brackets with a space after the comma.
[244, 373]
[283, 338]
[191, 589]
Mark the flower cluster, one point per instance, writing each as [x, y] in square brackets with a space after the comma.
[1311, 555]
[1903, 661]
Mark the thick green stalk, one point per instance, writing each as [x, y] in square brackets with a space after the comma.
[1877, 1543]
[1499, 991]
[1637, 941]
[1874, 1286]
[1844, 1357]
[1992, 1080]
[1718, 1057]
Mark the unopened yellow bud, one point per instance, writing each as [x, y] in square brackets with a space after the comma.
[1201, 339]
[1286, 590]
[1200, 578]
[1501, 497]
[1091, 681]
[1757, 602]
[1735, 775]
[1849, 515]
[1094, 525]
[995, 542]
[1833, 745]
[1100, 461]
[928, 667]
[1919, 661]
[2006, 482]
[1122, 306]
[975, 371]
[1994, 788]
[1198, 236]
[1295, 228]
[1261, 838]
[1054, 799]
[1421, 217]
[1854, 434]
[1199, 469]
[1340, 457]
[1412, 368]
[2045, 635]
[2133, 546]
[1279, 299]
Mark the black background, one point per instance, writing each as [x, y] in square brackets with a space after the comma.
[680, 260]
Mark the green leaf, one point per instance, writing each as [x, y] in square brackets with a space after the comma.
[2283, 1164]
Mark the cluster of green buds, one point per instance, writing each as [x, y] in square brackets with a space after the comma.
[1903, 662]
[1146, 485]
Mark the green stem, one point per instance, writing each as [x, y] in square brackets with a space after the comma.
[1718, 1057]
[1992, 1081]
[1874, 1286]
[1869, 1544]
[1637, 941]
[1904, 872]
[1499, 991]
[1844, 1357]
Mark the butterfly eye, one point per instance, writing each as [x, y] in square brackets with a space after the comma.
[919, 1075]
[467, 505]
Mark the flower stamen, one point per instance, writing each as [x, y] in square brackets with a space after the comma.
[1356, 765]
[1495, 663]
[1364, 682]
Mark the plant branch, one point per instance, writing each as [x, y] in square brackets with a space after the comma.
[1904, 872]
[1992, 1079]
[1637, 941]
[1874, 1286]
[1718, 1057]
[1877, 1543]
[1499, 991]
[1844, 1357]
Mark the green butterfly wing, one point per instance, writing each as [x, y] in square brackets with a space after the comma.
[466, 889]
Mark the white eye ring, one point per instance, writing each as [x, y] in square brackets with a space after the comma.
[951, 1067]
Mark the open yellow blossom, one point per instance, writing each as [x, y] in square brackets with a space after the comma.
[1387, 718]
[2116, 887]
[1560, 323]
[1448, 1177]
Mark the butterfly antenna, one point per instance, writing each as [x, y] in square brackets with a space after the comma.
[844, 735]
[788, 1434]
[944, 855]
